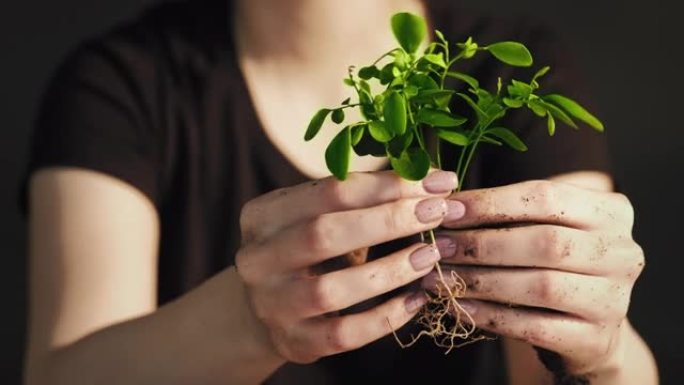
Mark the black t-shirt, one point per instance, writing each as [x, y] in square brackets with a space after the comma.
[161, 104]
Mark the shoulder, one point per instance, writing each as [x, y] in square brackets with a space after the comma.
[109, 104]
[164, 39]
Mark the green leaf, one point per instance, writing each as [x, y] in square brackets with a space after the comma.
[573, 108]
[338, 153]
[484, 99]
[537, 107]
[387, 73]
[489, 140]
[367, 107]
[346, 101]
[410, 91]
[394, 111]
[520, 89]
[397, 83]
[369, 72]
[436, 97]
[452, 136]
[400, 143]
[481, 114]
[471, 81]
[337, 116]
[379, 131]
[413, 164]
[508, 137]
[409, 30]
[357, 132]
[513, 103]
[436, 59]
[495, 111]
[401, 60]
[316, 123]
[422, 82]
[364, 86]
[348, 82]
[551, 124]
[378, 103]
[469, 48]
[511, 53]
[543, 71]
[440, 36]
[559, 114]
[439, 118]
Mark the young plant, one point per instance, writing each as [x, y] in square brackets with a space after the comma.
[416, 101]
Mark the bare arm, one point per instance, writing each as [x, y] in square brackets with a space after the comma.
[93, 316]
[634, 364]
[93, 268]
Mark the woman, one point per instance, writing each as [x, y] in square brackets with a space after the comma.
[175, 238]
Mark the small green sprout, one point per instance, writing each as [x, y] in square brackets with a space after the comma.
[415, 100]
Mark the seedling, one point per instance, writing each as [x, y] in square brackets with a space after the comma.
[416, 100]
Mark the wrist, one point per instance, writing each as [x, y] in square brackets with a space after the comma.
[612, 364]
[630, 363]
[251, 333]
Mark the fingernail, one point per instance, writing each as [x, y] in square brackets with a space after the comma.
[455, 210]
[440, 182]
[415, 301]
[430, 281]
[468, 306]
[430, 210]
[446, 246]
[424, 257]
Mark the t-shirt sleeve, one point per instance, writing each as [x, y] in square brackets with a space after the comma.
[569, 149]
[96, 114]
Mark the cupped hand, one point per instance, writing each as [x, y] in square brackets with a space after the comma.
[548, 263]
[289, 231]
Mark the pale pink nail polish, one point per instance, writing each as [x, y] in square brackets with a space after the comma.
[430, 210]
[446, 246]
[455, 210]
[429, 282]
[440, 182]
[415, 301]
[424, 257]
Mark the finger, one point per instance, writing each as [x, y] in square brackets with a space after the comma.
[269, 213]
[587, 297]
[311, 296]
[327, 336]
[329, 235]
[557, 332]
[548, 246]
[542, 202]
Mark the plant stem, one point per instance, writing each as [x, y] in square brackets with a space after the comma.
[384, 55]
[416, 130]
[439, 153]
[348, 106]
[448, 67]
[461, 168]
[466, 166]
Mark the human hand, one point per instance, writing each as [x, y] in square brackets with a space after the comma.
[547, 263]
[289, 231]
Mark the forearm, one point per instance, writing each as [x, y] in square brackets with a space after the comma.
[203, 337]
[634, 365]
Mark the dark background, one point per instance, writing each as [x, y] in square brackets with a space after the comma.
[630, 51]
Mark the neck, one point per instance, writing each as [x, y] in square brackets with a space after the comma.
[316, 32]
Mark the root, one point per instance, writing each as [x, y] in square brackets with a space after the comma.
[442, 318]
